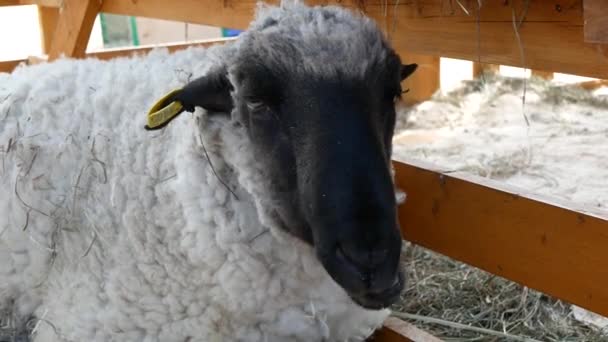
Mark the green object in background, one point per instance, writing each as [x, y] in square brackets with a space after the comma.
[118, 30]
[134, 33]
[226, 32]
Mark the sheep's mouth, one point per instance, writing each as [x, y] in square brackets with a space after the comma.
[382, 299]
[372, 288]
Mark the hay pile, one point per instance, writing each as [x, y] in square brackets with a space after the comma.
[481, 128]
[453, 292]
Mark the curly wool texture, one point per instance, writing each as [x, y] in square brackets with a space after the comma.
[325, 41]
[109, 232]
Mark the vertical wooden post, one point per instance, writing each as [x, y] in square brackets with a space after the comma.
[74, 26]
[47, 18]
[482, 68]
[548, 75]
[425, 81]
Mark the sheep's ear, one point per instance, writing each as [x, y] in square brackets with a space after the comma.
[407, 70]
[210, 92]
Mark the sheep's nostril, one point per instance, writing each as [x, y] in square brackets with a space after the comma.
[363, 259]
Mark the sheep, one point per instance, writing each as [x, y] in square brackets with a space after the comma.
[265, 212]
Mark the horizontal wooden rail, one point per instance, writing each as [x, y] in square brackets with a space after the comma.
[223, 13]
[533, 34]
[549, 246]
[550, 38]
[7, 66]
[538, 35]
[45, 3]
[396, 330]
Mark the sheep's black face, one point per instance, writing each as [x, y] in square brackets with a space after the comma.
[326, 143]
[324, 139]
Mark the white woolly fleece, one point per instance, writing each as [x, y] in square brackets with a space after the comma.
[109, 232]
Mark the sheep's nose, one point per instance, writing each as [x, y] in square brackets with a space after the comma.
[362, 258]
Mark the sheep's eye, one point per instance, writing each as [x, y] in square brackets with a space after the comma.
[260, 110]
[255, 105]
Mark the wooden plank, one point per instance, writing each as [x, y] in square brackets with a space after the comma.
[483, 68]
[224, 13]
[46, 3]
[8, 66]
[596, 21]
[425, 81]
[47, 18]
[396, 330]
[552, 247]
[551, 34]
[74, 27]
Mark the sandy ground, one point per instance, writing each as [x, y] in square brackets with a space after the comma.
[554, 145]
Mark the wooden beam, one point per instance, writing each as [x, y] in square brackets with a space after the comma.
[223, 13]
[396, 330]
[425, 80]
[552, 247]
[47, 18]
[551, 34]
[596, 21]
[8, 66]
[74, 27]
[45, 3]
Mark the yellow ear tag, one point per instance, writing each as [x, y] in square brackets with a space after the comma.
[159, 116]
